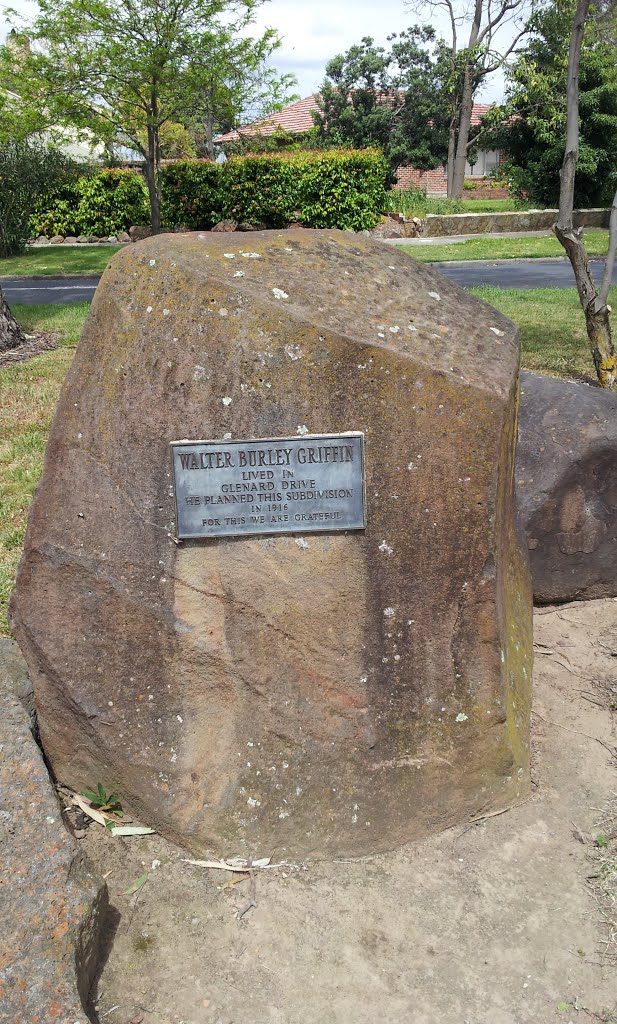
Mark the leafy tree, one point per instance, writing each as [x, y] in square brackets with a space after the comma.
[482, 36]
[238, 87]
[176, 141]
[277, 141]
[391, 98]
[531, 127]
[28, 169]
[122, 69]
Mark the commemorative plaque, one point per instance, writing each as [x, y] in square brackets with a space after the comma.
[272, 485]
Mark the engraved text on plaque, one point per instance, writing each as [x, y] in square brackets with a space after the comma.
[277, 485]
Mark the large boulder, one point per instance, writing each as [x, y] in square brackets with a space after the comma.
[566, 477]
[53, 905]
[301, 694]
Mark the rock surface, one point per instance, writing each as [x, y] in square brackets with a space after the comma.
[566, 477]
[293, 695]
[138, 232]
[52, 904]
[225, 226]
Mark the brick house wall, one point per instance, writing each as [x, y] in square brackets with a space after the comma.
[430, 181]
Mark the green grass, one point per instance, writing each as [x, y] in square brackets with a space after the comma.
[494, 206]
[47, 260]
[553, 336]
[28, 396]
[415, 203]
[65, 319]
[553, 342]
[498, 248]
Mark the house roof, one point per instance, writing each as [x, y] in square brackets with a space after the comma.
[296, 118]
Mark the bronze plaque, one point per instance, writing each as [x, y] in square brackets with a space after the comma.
[271, 485]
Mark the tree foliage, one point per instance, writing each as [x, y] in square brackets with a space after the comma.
[27, 169]
[531, 126]
[122, 69]
[481, 38]
[392, 98]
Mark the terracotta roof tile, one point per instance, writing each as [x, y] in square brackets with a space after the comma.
[296, 117]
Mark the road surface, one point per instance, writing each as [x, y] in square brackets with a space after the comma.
[534, 273]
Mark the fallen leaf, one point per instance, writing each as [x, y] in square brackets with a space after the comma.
[137, 884]
[234, 864]
[234, 881]
[90, 811]
[131, 830]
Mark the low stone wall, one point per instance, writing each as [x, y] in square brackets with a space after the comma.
[437, 225]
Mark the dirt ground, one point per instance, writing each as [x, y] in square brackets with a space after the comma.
[499, 922]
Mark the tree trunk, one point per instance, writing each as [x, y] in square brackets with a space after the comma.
[594, 303]
[153, 182]
[597, 313]
[451, 155]
[11, 334]
[464, 125]
[209, 130]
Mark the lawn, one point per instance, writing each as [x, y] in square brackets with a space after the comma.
[418, 204]
[499, 248]
[45, 260]
[494, 206]
[553, 337]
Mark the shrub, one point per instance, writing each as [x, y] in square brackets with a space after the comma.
[26, 170]
[95, 204]
[261, 189]
[191, 194]
[414, 202]
[342, 188]
[111, 201]
[321, 189]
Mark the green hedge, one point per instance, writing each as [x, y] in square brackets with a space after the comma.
[342, 189]
[97, 204]
[320, 189]
[191, 194]
[261, 189]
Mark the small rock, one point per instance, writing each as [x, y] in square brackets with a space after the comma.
[112, 238]
[102, 238]
[139, 231]
[82, 239]
[388, 227]
[123, 236]
[56, 240]
[181, 229]
[42, 240]
[70, 240]
[225, 225]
